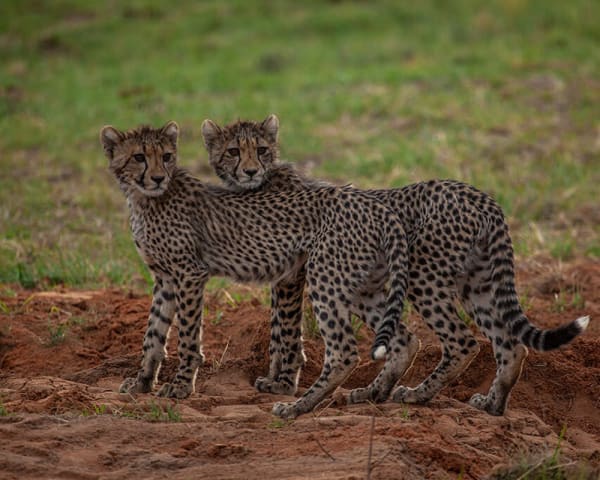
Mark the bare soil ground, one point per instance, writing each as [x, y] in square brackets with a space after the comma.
[64, 353]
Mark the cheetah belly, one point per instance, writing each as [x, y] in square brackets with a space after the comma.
[259, 269]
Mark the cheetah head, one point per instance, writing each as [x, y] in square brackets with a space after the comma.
[143, 158]
[241, 153]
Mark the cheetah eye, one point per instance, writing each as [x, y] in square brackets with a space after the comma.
[261, 150]
[167, 156]
[234, 152]
[140, 157]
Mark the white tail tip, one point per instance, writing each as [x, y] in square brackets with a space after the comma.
[379, 352]
[583, 322]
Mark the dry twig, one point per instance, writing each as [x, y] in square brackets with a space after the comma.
[369, 467]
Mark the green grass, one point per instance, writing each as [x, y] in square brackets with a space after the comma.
[151, 411]
[57, 334]
[60, 324]
[310, 324]
[97, 409]
[278, 423]
[548, 468]
[163, 413]
[501, 94]
[357, 325]
[563, 300]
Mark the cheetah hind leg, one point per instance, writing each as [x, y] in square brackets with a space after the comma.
[397, 363]
[403, 351]
[510, 365]
[456, 356]
[477, 298]
[338, 364]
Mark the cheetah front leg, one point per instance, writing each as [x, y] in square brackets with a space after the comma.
[161, 315]
[341, 356]
[189, 291]
[285, 349]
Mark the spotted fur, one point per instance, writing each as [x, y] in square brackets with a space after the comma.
[341, 239]
[459, 249]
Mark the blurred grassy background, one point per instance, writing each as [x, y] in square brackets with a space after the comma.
[501, 94]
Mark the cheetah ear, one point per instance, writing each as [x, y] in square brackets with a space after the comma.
[110, 137]
[271, 127]
[211, 133]
[171, 130]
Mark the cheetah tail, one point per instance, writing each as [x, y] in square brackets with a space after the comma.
[549, 339]
[391, 320]
[378, 350]
[388, 326]
[510, 310]
[396, 253]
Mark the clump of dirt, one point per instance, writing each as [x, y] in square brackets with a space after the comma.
[64, 353]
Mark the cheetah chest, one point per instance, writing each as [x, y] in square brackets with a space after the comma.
[138, 231]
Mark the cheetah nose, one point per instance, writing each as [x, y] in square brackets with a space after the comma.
[158, 180]
[250, 172]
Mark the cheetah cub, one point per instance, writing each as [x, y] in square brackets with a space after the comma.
[459, 249]
[187, 231]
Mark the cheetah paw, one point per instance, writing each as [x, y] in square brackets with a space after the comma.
[133, 385]
[267, 385]
[483, 402]
[175, 390]
[408, 395]
[287, 411]
[369, 394]
[479, 401]
[359, 395]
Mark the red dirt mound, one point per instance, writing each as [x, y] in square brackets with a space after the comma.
[64, 353]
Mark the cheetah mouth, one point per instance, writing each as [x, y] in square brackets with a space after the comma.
[251, 182]
[155, 191]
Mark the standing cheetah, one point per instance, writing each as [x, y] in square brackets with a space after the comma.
[459, 249]
[187, 231]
